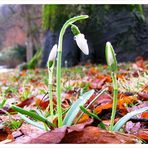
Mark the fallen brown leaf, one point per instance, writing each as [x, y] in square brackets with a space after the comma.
[143, 134]
[94, 135]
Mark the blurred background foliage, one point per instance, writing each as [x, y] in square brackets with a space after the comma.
[36, 27]
[53, 16]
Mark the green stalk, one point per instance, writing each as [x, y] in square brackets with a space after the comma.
[58, 76]
[115, 92]
[59, 107]
[50, 74]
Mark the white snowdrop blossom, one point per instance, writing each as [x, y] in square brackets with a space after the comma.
[82, 43]
[110, 58]
[53, 53]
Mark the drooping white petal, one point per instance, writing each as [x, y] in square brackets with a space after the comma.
[110, 57]
[82, 43]
[53, 53]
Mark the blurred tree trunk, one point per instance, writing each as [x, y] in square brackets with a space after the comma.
[29, 49]
[31, 15]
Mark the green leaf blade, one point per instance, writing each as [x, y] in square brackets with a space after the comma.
[75, 108]
[124, 119]
[93, 116]
[32, 114]
[31, 122]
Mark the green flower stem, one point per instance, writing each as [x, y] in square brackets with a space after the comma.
[115, 92]
[50, 74]
[59, 102]
[58, 76]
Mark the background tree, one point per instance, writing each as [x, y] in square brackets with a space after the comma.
[27, 20]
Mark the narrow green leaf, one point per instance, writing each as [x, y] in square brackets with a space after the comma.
[93, 116]
[3, 103]
[73, 111]
[32, 114]
[103, 91]
[31, 122]
[124, 119]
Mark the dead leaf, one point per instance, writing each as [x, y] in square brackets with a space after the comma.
[143, 134]
[24, 103]
[5, 133]
[52, 137]
[97, 83]
[140, 62]
[144, 114]
[55, 136]
[93, 135]
[99, 108]
[143, 95]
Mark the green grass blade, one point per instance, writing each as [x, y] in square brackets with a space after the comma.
[32, 114]
[75, 108]
[124, 119]
[93, 116]
[3, 103]
[31, 122]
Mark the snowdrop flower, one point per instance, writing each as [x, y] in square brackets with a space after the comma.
[110, 57]
[52, 55]
[82, 43]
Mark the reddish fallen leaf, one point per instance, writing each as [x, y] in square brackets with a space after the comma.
[143, 134]
[125, 100]
[110, 88]
[140, 62]
[52, 137]
[143, 95]
[43, 103]
[103, 99]
[93, 71]
[97, 83]
[23, 73]
[99, 109]
[4, 82]
[101, 82]
[5, 133]
[94, 135]
[120, 76]
[24, 103]
[144, 114]
[108, 78]
[28, 132]
[108, 103]
[83, 119]
[55, 136]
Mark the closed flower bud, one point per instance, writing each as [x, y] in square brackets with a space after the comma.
[82, 43]
[110, 57]
[52, 55]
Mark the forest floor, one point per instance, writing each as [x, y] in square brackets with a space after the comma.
[28, 89]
